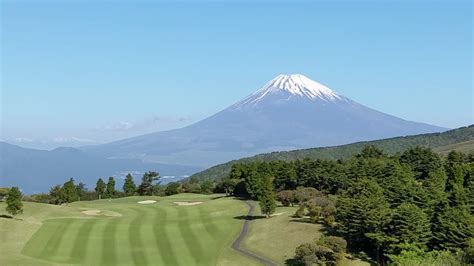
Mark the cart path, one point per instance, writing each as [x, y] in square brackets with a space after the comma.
[243, 233]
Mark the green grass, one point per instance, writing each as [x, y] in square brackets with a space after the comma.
[162, 233]
[465, 147]
[277, 237]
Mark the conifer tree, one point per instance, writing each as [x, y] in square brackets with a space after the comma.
[14, 204]
[110, 190]
[100, 188]
[129, 186]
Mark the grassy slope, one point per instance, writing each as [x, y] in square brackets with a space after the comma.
[461, 138]
[156, 234]
[276, 238]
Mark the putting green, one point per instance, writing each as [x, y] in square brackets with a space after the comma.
[124, 232]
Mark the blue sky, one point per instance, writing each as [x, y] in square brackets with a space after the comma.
[86, 72]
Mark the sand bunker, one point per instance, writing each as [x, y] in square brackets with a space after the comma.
[147, 201]
[187, 203]
[91, 212]
[103, 213]
[277, 214]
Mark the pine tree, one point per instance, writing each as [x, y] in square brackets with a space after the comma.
[110, 190]
[100, 187]
[410, 224]
[14, 204]
[69, 190]
[129, 186]
[267, 198]
[146, 187]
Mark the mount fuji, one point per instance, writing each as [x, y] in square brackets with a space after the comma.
[289, 112]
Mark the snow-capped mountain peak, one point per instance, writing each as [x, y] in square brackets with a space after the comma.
[288, 86]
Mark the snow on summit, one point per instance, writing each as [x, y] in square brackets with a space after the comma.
[289, 86]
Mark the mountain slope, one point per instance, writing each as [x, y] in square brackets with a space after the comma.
[289, 112]
[37, 170]
[461, 139]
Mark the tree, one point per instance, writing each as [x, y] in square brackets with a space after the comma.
[363, 213]
[173, 188]
[100, 187]
[56, 194]
[14, 204]
[267, 198]
[69, 191]
[371, 151]
[129, 186]
[229, 185]
[207, 186]
[81, 190]
[286, 197]
[410, 224]
[110, 190]
[422, 161]
[146, 187]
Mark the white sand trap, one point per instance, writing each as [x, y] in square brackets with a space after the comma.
[147, 201]
[187, 203]
[91, 212]
[99, 212]
[277, 214]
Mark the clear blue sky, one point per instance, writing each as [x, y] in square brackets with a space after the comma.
[102, 71]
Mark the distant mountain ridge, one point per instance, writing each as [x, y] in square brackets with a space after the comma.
[37, 170]
[289, 112]
[461, 139]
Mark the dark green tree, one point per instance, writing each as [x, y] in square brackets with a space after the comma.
[81, 190]
[57, 195]
[422, 161]
[70, 192]
[267, 198]
[110, 189]
[410, 224]
[173, 188]
[129, 186]
[146, 187]
[100, 188]
[14, 204]
[207, 186]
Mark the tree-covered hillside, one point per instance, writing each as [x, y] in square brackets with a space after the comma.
[459, 139]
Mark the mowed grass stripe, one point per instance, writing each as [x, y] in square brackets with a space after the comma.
[208, 221]
[165, 249]
[44, 238]
[109, 253]
[135, 237]
[187, 233]
[79, 249]
[53, 244]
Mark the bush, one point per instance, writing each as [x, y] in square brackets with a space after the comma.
[303, 194]
[337, 244]
[300, 212]
[286, 197]
[312, 254]
[173, 188]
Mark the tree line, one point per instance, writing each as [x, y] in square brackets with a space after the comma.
[404, 208]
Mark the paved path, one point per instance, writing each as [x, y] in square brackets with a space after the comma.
[243, 233]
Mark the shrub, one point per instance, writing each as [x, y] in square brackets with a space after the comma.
[303, 194]
[337, 244]
[286, 197]
[300, 212]
[312, 254]
[173, 188]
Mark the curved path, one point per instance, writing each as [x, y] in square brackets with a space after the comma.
[243, 233]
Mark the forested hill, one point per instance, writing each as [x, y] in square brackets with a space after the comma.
[461, 139]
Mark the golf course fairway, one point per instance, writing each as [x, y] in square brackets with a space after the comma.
[185, 229]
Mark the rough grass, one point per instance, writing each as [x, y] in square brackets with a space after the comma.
[277, 237]
[155, 234]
